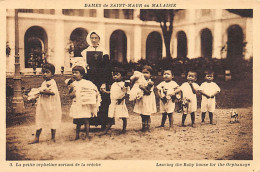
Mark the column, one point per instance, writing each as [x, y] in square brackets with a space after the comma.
[137, 37]
[10, 37]
[58, 12]
[163, 47]
[217, 36]
[174, 38]
[101, 28]
[17, 102]
[249, 38]
[137, 43]
[191, 33]
[59, 54]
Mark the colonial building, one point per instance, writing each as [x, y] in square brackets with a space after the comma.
[57, 35]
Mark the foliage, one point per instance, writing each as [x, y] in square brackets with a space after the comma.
[239, 68]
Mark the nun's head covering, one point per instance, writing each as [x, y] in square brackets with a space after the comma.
[97, 32]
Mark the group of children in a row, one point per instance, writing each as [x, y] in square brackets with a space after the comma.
[86, 98]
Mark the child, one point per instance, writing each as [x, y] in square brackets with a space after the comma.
[48, 110]
[86, 100]
[117, 107]
[189, 90]
[146, 105]
[209, 90]
[165, 92]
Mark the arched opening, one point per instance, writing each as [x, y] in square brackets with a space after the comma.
[181, 44]
[206, 43]
[35, 47]
[118, 46]
[78, 38]
[235, 50]
[154, 47]
[235, 43]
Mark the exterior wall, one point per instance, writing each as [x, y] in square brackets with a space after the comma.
[218, 22]
[127, 29]
[25, 22]
[59, 27]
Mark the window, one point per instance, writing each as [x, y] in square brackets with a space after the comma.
[205, 12]
[80, 12]
[118, 13]
[39, 11]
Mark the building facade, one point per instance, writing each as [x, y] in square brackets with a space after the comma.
[59, 34]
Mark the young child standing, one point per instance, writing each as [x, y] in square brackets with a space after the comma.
[117, 107]
[165, 92]
[189, 90]
[48, 110]
[146, 105]
[85, 100]
[209, 90]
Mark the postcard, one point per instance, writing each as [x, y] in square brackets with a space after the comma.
[173, 85]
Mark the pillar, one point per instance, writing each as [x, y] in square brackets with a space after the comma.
[59, 54]
[217, 36]
[18, 104]
[249, 38]
[10, 37]
[137, 37]
[191, 33]
[101, 28]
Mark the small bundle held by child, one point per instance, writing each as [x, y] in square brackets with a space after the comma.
[137, 79]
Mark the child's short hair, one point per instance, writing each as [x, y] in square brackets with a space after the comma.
[80, 69]
[149, 68]
[209, 72]
[120, 70]
[167, 68]
[192, 71]
[50, 67]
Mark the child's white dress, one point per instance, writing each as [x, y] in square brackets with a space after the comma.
[209, 89]
[48, 110]
[115, 110]
[189, 95]
[87, 100]
[167, 87]
[147, 104]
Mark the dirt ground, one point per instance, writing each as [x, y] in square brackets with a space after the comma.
[223, 141]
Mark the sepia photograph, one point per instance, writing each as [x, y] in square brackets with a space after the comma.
[148, 83]
[198, 62]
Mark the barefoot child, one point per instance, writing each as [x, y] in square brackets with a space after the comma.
[48, 110]
[189, 90]
[117, 107]
[146, 105]
[165, 92]
[209, 90]
[85, 100]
